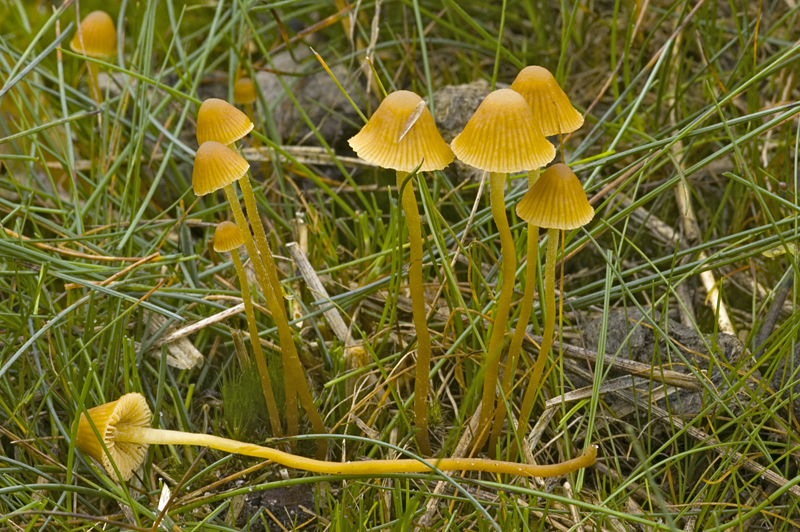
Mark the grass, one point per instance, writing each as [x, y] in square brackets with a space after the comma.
[704, 105]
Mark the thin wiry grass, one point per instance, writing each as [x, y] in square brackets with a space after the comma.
[709, 104]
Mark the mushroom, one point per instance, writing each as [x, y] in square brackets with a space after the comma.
[244, 93]
[97, 38]
[217, 167]
[221, 122]
[402, 135]
[500, 138]
[558, 202]
[553, 115]
[228, 238]
[550, 105]
[124, 430]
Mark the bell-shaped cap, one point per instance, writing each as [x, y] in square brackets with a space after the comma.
[500, 136]
[215, 166]
[221, 122]
[552, 112]
[227, 237]
[99, 36]
[244, 91]
[401, 134]
[129, 410]
[556, 201]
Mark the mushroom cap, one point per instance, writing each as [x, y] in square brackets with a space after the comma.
[227, 237]
[500, 136]
[556, 201]
[99, 36]
[244, 91]
[215, 166]
[130, 409]
[221, 122]
[550, 105]
[379, 140]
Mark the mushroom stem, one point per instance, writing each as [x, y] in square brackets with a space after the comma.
[93, 84]
[296, 381]
[522, 322]
[422, 380]
[292, 422]
[261, 361]
[547, 335]
[249, 111]
[497, 182]
[146, 435]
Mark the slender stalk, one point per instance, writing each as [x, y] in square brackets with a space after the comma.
[261, 361]
[522, 322]
[294, 370]
[547, 337]
[249, 111]
[422, 381]
[93, 84]
[497, 184]
[146, 435]
[292, 421]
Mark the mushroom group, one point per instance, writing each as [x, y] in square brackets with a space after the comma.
[506, 135]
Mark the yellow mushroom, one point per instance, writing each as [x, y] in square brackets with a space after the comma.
[500, 138]
[97, 38]
[217, 167]
[558, 202]
[228, 238]
[402, 135]
[124, 427]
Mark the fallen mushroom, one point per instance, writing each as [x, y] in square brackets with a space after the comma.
[124, 429]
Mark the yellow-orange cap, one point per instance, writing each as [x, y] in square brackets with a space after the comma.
[227, 237]
[131, 410]
[244, 91]
[500, 136]
[99, 36]
[216, 165]
[401, 134]
[556, 201]
[221, 122]
[550, 105]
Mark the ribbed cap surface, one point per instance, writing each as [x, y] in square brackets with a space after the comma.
[244, 91]
[556, 201]
[99, 36]
[130, 409]
[500, 136]
[227, 237]
[221, 122]
[379, 140]
[216, 165]
[549, 103]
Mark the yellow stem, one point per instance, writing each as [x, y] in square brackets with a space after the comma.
[547, 337]
[292, 422]
[421, 383]
[292, 366]
[497, 184]
[146, 435]
[93, 84]
[248, 109]
[258, 352]
[522, 322]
